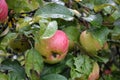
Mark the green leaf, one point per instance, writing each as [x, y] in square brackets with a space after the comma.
[99, 2]
[33, 4]
[34, 75]
[117, 1]
[116, 30]
[81, 66]
[101, 59]
[53, 10]
[22, 5]
[116, 15]
[54, 77]
[70, 63]
[101, 34]
[98, 8]
[74, 74]
[57, 68]
[43, 25]
[40, 2]
[3, 76]
[71, 31]
[95, 20]
[28, 24]
[23, 23]
[15, 70]
[4, 32]
[5, 41]
[50, 30]
[117, 27]
[88, 3]
[110, 9]
[33, 62]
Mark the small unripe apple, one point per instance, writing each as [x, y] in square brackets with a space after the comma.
[73, 35]
[89, 43]
[3, 10]
[94, 75]
[55, 48]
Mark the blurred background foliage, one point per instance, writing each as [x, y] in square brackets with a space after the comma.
[29, 19]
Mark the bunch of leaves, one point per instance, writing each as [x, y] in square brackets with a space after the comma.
[81, 66]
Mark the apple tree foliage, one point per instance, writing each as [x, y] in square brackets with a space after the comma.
[31, 20]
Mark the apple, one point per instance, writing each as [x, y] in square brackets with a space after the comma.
[3, 10]
[73, 36]
[53, 49]
[90, 44]
[94, 75]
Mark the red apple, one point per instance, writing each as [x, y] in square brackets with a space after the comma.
[53, 49]
[3, 10]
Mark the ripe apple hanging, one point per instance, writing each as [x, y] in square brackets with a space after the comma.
[53, 49]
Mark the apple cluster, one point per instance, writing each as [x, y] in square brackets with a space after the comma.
[54, 49]
[3, 10]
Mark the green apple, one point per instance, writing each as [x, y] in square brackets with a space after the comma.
[89, 43]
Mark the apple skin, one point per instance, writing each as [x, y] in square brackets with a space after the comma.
[53, 49]
[89, 43]
[3, 11]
